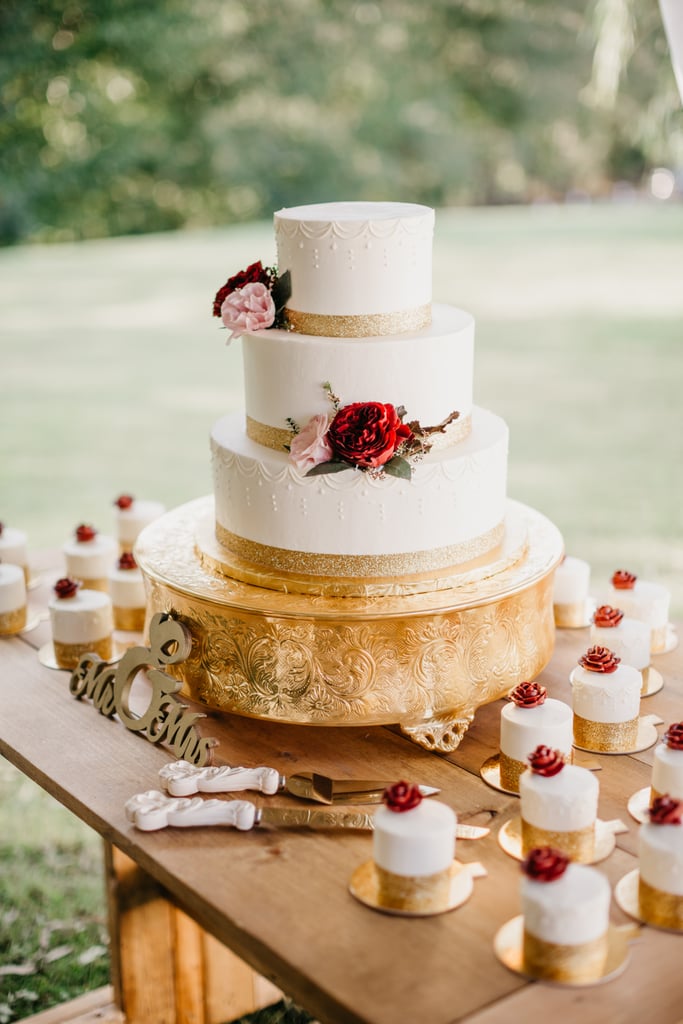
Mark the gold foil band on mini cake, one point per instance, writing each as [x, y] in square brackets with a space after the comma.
[365, 325]
[662, 909]
[313, 564]
[578, 844]
[610, 737]
[69, 655]
[554, 961]
[570, 616]
[14, 621]
[95, 584]
[413, 893]
[129, 619]
[279, 438]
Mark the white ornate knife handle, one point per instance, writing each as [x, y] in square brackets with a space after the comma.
[154, 810]
[183, 779]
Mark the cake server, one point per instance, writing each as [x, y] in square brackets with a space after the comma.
[155, 810]
[181, 778]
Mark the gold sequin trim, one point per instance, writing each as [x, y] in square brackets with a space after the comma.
[366, 325]
[663, 909]
[615, 737]
[554, 961]
[578, 844]
[130, 619]
[510, 771]
[95, 584]
[305, 563]
[279, 439]
[570, 616]
[14, 621]
[69, 655]
[413, 893]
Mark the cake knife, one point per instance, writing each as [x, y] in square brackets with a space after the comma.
[181, 778]
[155, 810]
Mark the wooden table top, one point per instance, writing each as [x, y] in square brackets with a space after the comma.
[280, 899]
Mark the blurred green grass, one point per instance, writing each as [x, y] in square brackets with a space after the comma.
[113, 369]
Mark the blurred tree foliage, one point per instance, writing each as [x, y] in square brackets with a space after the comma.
[124, 116]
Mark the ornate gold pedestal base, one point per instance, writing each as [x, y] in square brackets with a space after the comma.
[424, 661]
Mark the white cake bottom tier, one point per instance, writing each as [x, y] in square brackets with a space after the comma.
[348, 524]
[429, 373]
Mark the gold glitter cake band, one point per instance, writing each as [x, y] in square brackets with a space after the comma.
[553, 961]
[417, 894]
[578, 844]
[304, 562]
[14, 621]
[511, 769]
[613, 737]
[69, 655]
[366, 325]
[662, 909]
[94, 584]
[570, 616]
[279, 439]
[129, 619]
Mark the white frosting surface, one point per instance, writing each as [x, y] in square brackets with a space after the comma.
[429, 372]
[524, 729]
[85, 617]
[12, 587]
[130, 521]
[647, 602]
[630, 641]
[571, 581]
[607, 696]
[559, 803]
[127, 588]
[416, 842]
[352, 259]
[454, 496]
[13, 546]
[92, 559]
[571, 910]
[660, 853]
[667, 771]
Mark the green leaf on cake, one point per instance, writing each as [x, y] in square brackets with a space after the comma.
[328, 467]
[398, 467]
[282, 289]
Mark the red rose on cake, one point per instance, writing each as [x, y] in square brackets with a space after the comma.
[367, 434]
[545, 864]
[402, 796]
[255, 273]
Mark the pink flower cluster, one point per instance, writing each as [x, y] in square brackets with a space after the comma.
[310, 446]
[250, 308]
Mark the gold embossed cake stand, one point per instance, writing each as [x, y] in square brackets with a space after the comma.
[424, 661]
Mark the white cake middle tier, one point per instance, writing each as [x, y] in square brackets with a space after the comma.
[348, 524]
[428, 372]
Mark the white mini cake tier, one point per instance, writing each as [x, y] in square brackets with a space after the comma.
[667, 771]
[131, 521]
[607, 696]
[647, 602]
[81, 619]
[566, 802]
[13, 546]
[91, 559]
[571, 581]
[523, 729]
[414, 843]
[348, 524]
[127, 588]
[660, 855]
[630, 641]
[428, 372]
[356, 259]
[12, 588]
[570, 910]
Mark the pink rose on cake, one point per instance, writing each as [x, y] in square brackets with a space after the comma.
[248, 309]
[310, 446]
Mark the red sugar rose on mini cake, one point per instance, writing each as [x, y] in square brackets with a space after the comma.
[607, 617]
[66, 587]
[546, 762]
[402, 796]
[623, 580]
[666, 811]
[127, 561]
[124, 501]
[529, 695]
[599, 659]
[85, 533]
[673, 737]
[545, 864]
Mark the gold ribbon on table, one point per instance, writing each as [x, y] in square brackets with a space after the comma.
[363, 325]
[554, 961]
[662, 909]
[129, 619]
[13, 621]
[610, 737]
[279, 438]
[578, 844]
[414, 893]
[69, 655]
[570, 616]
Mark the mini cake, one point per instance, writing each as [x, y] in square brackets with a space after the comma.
[660, 855]
[647, 602]
[132, 515]
[89, 557]
[606, 702]
[559, 805]
[82, 622]
[12, 599]
[413, 850]
[527, 721]
[14, 547]
[667, 767]
[629, 639]
[127, 591]
[566, 918]
[570, 592]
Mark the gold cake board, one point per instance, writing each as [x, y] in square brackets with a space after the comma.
[424, 661]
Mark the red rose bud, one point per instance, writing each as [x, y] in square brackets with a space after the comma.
[66, 587]
[545, 864]
[85, 533]
[673, 737]
[367, 434]
[666, 811]
[402, 796]
[529, 695]
[623, 580]
[545, 761]
[607, 617]
[256, 273]
[127, 561]
[599, 659]
[124, 501]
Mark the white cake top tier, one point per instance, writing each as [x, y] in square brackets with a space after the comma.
[12, 588]
[571, 581]
[570, 910]
[630, 641]
[90, 559]
[648, 602]
[523, 729]
[565, 802]
[660, 855]
[417, 842]
[357, 260]
[13, 546]
[83, 618]
[607, 697]
[127, 588]
[132, 520]
[667, 771]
